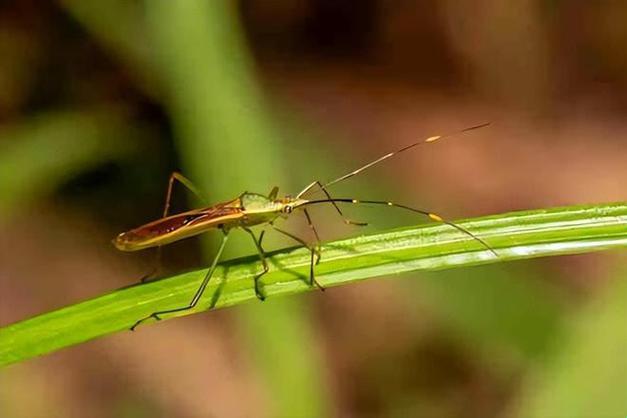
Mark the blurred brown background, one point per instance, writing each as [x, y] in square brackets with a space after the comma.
[100, 101]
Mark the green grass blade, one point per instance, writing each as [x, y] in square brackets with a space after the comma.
[220, 117]
[518, 235]
[587, 372]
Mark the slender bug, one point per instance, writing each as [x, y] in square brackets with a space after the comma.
[250, 209]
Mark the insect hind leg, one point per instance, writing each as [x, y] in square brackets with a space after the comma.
[155, 270]
[174, 176]
[192, 304]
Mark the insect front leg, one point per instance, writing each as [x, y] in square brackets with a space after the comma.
[315, 232]
[328, 195]
[313, 251]
[264, 262]
[192, 304]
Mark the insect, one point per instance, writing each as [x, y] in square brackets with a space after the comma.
[250, 209]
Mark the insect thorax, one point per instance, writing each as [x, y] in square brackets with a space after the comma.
[257, 206]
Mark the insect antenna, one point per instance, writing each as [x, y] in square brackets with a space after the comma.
[430, 215]
[398, 151]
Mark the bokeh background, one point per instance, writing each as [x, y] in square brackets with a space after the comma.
[100, 101]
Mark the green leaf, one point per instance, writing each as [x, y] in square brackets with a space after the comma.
[587, 376]
[514, 236]
[220, 117]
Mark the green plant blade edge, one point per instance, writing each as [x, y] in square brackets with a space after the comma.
[514, 236]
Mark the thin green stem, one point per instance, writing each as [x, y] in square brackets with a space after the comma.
[514, 236]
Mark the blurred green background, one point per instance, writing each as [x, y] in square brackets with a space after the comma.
[100, 101]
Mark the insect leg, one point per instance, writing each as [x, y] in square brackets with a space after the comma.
[262, 256]
[166, 208]
[157, 315]
[185, 182]
[312, 277]
[155, 270]
[335, 205]
[313, 228]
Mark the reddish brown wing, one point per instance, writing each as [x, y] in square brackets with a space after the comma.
[175, 227]
[174, 222]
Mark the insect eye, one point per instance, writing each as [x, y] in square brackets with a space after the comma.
[288, 209]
